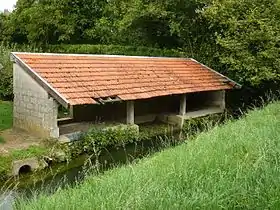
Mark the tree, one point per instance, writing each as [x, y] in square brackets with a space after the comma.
[247, 35]
[53, 21]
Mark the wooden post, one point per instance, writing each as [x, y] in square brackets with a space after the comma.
[130, 112]
[183, 104]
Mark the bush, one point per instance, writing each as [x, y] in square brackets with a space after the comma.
[114, 50]
[247, 38]
[6, 73]
[99, 138]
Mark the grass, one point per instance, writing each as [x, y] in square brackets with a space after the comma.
[6, 115]
[2, 140]
[232, 166]
[6, 119]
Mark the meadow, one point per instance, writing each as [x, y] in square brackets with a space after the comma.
[235, 165]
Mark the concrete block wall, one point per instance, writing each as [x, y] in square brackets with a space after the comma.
[34, 110]
[218, 98]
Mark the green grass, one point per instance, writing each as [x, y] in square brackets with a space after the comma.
[232, 166]
[2, 140]
[6, 115]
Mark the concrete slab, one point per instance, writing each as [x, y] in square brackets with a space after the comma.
[203, 112]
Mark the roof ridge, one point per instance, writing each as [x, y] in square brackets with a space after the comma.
[100, 55]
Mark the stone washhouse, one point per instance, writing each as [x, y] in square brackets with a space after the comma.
[94, 89]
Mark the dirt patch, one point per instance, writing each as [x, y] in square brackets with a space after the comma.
[17, 139]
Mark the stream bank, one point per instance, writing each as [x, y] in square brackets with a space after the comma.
[65, 172]
[63, 175]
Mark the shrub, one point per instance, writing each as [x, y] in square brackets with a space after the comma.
[115, 50]
[6, 73]
[98, 138]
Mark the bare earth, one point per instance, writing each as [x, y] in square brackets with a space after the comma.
[17, 139]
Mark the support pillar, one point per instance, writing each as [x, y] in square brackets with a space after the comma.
[183, 105]
[130, 112]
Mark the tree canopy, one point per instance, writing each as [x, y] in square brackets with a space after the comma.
[238, 38]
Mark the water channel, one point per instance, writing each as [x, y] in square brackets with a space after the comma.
[68, 175]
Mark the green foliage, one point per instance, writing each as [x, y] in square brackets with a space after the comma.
[53, 21]
[30, 152]
[237, 38]
[247, 35]
[155, 131]
[2, 140]
[98, 138]
[6, 73]
[115, 50]
[194, 126]
[6, 115]
[234, 166]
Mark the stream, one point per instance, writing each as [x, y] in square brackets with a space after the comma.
[68, 175]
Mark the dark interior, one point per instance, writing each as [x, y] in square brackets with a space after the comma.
[200, 100]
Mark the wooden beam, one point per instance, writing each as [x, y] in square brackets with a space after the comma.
[130, 112]
[183, 105]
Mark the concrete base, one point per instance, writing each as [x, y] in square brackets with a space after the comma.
[145, 119]
[74, 136]
[203, 112]
[178, 120]
[67, 138]
[175, 120]
[32, 163]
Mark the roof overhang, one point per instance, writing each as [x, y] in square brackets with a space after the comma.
[15, 57]
[229, 81]
[51, 91]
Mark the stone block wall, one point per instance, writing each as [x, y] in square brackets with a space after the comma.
[218, 98]
[34, 110]
[198, 100]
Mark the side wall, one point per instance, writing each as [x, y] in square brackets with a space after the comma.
[199, 100]
[34, 111]
[219, 98]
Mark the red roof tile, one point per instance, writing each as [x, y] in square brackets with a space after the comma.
[80, 79]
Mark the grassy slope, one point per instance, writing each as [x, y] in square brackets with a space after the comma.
[6, 111]
[233, 166]
[6, 120]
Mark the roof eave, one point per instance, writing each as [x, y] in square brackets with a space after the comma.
[56, 95]
[235, 85]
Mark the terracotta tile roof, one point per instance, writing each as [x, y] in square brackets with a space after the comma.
[82, 79]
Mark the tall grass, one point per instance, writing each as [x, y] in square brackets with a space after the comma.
[6, 113]
[235, 165]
